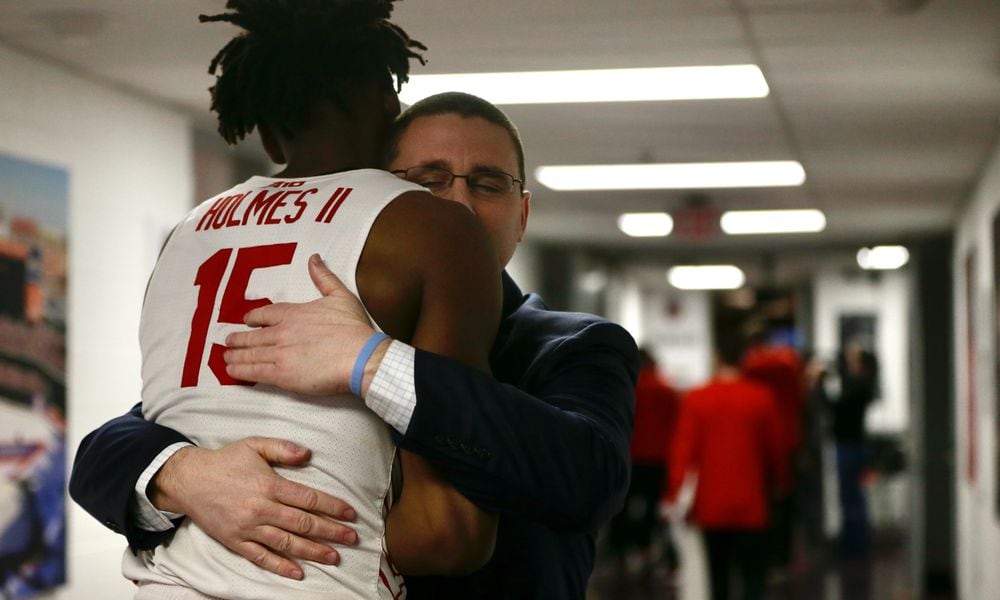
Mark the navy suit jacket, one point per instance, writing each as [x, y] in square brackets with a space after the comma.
[544, 443]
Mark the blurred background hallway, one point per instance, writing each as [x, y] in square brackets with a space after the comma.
[885, 576]
[844, 196]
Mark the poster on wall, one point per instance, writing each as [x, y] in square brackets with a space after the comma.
[996, 351]
[678, 333]
[33, 265]
[858, 329]
[970, 366]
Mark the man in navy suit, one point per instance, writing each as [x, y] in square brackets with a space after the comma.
[544, 444]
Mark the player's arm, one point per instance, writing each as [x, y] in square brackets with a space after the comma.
[433, 252]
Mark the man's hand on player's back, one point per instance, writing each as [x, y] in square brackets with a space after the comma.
[236, 497]
[290, 349]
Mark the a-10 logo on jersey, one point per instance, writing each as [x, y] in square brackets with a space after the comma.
[234, 305]
[269, 207]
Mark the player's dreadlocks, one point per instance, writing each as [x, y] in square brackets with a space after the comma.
[294, 53]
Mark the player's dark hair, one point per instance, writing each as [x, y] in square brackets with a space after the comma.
[730, 346]
[454, 103]
[295, 53]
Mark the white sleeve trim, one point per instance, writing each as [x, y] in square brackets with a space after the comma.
[144, 515]
[392, 394]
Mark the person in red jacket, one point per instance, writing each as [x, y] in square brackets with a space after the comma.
[656, 410]
[780, 368]
[729, 435]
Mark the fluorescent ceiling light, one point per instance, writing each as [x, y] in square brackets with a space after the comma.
[599, 85]
[883, 258]
[672, 176]
[743, 222]
[651, 224]
[706, 277]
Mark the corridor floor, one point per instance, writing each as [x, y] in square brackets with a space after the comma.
[820, 576]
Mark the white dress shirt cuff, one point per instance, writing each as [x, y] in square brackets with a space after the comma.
[145, 516]
[392, 394]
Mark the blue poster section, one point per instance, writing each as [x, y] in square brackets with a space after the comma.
[33, 275]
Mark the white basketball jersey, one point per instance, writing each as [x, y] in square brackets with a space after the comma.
[247, 248]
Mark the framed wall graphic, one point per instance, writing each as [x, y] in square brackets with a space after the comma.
[679, 333]
[996, 353]
[970, 366]
[858, 329]
[33, 265]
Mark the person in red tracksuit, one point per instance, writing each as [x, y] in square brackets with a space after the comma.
[781, 369]
[656, 409]
[729, 434]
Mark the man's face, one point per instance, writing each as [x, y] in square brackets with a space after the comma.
[464, 146]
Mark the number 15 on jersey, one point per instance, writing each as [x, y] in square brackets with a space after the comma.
[234, 305]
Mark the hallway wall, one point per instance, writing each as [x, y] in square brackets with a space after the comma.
[978, 525]
[130, 173]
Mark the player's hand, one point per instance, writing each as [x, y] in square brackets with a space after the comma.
[307, 348]
[235, 496]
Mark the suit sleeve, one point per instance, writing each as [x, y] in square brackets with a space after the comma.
[108, 464]
[558, 453]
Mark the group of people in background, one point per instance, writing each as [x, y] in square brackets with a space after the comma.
[740, 459]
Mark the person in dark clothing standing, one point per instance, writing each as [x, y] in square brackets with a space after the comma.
[858, 369]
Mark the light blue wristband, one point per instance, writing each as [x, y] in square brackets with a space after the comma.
[358, 373]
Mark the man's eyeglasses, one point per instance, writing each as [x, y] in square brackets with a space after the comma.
[487, 184]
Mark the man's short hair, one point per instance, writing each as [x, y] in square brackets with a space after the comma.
[454, 103]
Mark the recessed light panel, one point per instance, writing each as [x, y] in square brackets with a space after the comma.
[706, 277]
[749, 222]
[672, 176]
[651, 224]
[598, 85]
[883, 258]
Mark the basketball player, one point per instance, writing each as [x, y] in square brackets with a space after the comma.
[314, 77]
[545, 445]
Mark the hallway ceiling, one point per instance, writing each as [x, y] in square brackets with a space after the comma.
[893, 112]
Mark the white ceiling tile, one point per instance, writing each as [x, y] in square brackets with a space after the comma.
[887, 112]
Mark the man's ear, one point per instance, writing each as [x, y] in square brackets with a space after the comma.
[525, 210]
[271, 144]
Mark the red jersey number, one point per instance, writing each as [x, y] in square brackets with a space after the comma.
[234, 305]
